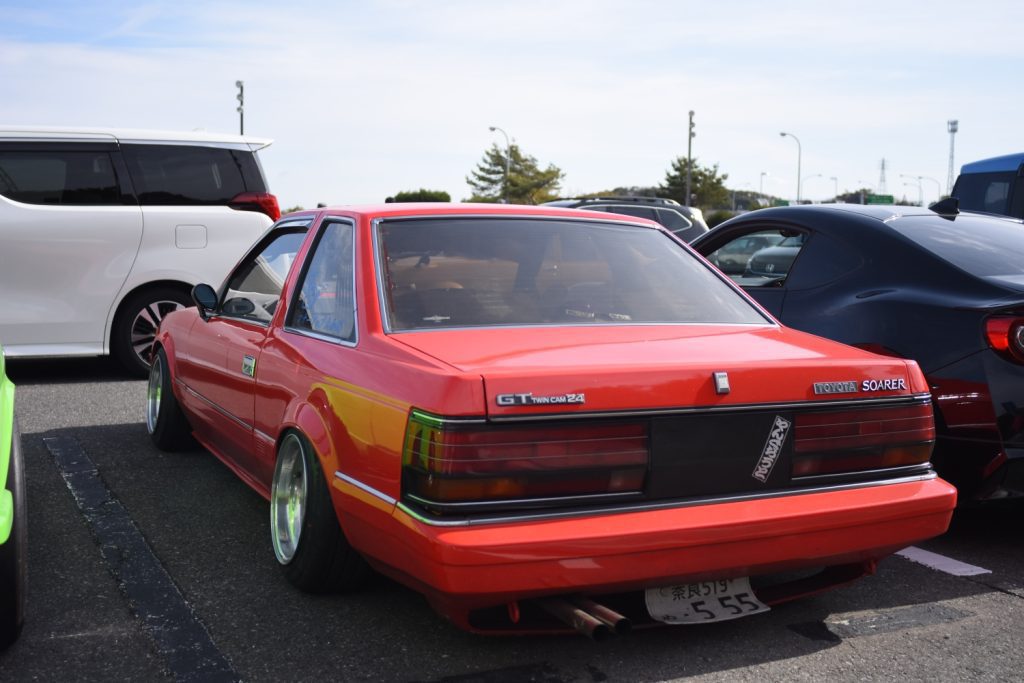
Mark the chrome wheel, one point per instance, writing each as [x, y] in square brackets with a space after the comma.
[288, 498]
[153, 392]
[145, 325]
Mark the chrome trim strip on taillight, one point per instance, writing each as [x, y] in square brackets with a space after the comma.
[655, 412]
[660, 505]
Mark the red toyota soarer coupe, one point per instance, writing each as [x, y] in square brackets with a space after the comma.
[542, 418]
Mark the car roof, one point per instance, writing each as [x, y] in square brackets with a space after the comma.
[426, 209]
[1008, 162]
[616, 199]
[98, 134]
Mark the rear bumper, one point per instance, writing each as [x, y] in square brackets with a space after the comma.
[468, 567]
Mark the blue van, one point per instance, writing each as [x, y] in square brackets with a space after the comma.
[993, 185]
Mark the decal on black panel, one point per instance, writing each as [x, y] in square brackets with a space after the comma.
[772, 449]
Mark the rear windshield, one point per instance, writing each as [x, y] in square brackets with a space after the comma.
[483, 272]
[985, 247]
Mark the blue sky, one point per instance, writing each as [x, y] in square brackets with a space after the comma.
[365, 99]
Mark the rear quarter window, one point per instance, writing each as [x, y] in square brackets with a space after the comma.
[191, 175]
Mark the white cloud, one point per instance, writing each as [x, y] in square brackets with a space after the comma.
[366, 99]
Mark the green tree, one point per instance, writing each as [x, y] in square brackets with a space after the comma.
[706, 185]
[527, 182]
[421, 195]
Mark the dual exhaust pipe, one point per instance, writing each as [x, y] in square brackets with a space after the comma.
[593, 620]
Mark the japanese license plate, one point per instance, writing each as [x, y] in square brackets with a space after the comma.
[705, 602]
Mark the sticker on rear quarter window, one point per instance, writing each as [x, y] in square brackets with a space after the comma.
[772, 449]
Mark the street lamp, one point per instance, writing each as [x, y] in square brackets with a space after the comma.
[938, 185]
[761, 188]
[813, 175]
[952, 126]
[920, 190]
[799, 154]
[508, 157]
[835, 180]
[689, 157]
[241, 106]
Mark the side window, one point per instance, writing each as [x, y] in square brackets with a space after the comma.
[638, 211]
[673, 220]
[59, 177]
[253, 290]
[986, 192]
[326, 294]
[185, 175]
[734, 257]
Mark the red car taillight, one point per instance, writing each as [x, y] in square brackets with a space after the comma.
[853, 440]
[447, 463]
[264, 202]
[1006, 336]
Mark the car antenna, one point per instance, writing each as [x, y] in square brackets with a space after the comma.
[949, 205]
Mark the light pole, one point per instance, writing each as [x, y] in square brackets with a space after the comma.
[835, 180]
[689, 157]
[761, 188]
[952, 126]
[508, 157]
[920, 190]
[799, 154]
[938, 186]
[241, 106]
[865, 184]
[813, 175]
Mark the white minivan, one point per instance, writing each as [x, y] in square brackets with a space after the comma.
[103, 232]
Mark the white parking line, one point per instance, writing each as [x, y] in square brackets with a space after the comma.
[941, 562]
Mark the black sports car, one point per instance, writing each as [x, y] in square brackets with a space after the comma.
[945, 289]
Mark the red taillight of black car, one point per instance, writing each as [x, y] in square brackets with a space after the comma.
[450, 465]
[860, 439]
[263, 202]
[1005, 334]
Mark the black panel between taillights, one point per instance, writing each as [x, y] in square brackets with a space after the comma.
[712, 454]
[741, 453]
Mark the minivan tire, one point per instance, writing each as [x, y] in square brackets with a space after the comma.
[137, 322]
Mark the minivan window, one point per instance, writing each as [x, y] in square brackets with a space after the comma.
[984, 192]
[58, 177]
[181, 175]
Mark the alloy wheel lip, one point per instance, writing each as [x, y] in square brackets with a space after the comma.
[145, 325]
[154, 391]
[288, 501]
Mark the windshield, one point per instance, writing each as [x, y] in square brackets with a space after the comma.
[483, 272]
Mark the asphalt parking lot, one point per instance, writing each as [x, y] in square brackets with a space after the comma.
[151, 566]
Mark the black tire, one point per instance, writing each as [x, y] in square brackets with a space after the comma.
[318, 558]
[166, 423]
[14, 553]
[136, 324]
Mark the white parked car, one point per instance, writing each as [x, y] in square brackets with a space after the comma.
[103, 232]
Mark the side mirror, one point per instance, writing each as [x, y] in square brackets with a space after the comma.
[205, 299]
[239, 306]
